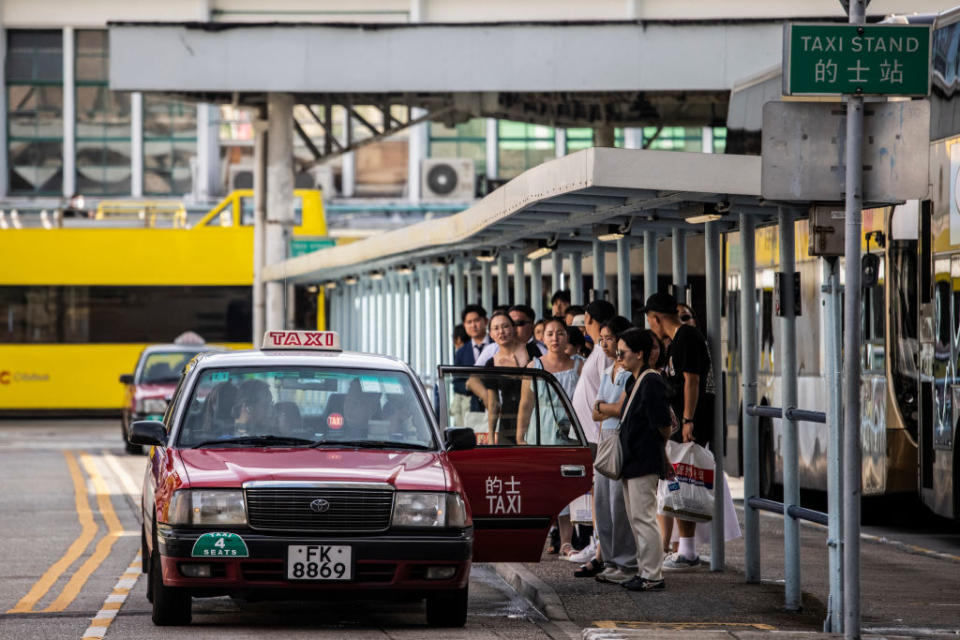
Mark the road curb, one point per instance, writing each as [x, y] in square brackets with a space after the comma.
[538, 592]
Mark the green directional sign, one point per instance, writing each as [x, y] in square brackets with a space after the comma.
[220, 544]
[300, 245]
[833, 59]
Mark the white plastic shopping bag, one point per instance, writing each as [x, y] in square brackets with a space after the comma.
[689, 494]
[581, 509]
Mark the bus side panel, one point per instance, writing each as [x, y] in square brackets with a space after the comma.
[61, 377]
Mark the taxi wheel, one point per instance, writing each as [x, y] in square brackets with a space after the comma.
[171, 605]
[134, 449]
[448, 609]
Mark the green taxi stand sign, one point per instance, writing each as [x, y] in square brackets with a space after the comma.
[301, 245]
[835, 59]
[220, 544]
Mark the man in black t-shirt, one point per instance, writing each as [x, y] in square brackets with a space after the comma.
[691, 384]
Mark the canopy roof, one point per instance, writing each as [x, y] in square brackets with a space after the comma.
[558, 202]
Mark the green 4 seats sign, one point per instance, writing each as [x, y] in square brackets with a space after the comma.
[222, 544]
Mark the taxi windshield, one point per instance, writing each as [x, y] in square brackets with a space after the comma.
[304, 406]
[164, 366]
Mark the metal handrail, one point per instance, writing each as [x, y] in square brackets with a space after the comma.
[792, 413]
[794, 511]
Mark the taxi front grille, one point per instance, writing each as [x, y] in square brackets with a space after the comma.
[303, 509]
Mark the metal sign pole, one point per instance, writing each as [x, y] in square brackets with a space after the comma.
[851, 357]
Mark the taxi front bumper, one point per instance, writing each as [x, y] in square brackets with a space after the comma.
[389, 561]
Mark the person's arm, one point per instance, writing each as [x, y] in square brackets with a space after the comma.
[524, 411]
[609, 409]
[476, 387]
[493, 412]
[691, 391]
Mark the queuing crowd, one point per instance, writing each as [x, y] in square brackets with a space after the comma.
[641, 385]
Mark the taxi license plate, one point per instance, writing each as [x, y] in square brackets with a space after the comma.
[319, 562]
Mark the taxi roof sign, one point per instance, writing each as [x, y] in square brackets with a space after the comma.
[301, 340]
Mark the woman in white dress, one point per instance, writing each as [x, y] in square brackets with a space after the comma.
[553, 429]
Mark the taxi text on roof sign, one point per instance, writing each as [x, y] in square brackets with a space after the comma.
[833, 59]
[312, 340]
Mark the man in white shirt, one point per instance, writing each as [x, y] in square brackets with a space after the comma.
[523, 319]
[585, 394]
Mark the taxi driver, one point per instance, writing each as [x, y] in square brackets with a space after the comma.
[253, 408]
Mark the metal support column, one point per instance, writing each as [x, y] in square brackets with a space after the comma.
[259, 228]
[519, 280]
[430, 321]
[749, 360]
[503, 284]
[382, 315]
[651, 264]
[624, 303]
[69, 114]
[473, 296]
[832, 369]
[446, 326]
[536, 288]
[136, 144]
[279, 199]
[486, 286]
[556, 273]
[599, 270]
[851, 349]
[714, 296]
[576, 278]
[788, 392]
[679, 257]
[457, 291]
[420, 317]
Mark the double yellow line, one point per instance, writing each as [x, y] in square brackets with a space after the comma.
[88, 531]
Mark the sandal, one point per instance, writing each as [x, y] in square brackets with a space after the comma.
[566, 549]
[589, 569]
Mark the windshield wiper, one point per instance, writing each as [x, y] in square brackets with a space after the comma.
[370, 444]
[266, 440]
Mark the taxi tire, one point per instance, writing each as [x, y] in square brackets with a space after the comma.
[132, 449]
[447, 609]
[171, 605]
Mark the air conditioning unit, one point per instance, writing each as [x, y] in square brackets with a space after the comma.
[447, 179]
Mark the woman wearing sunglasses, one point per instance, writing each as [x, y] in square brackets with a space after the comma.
[643, 420]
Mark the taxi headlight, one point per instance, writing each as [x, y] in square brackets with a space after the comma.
[428, 510]
[207, 507]
[152, 405]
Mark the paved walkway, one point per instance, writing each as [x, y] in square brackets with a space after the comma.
[904, 593]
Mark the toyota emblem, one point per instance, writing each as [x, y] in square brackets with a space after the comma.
[319, 506]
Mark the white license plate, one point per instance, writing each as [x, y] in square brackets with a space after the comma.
[319, 562]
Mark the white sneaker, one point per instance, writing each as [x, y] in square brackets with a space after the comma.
[677, 562]
[614, 575]
[587, 553]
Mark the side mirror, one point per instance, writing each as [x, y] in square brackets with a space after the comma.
[870, 270]
[460, 438]
[126, 378]
[148, 432]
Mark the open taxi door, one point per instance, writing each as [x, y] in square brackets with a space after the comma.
[530, 462]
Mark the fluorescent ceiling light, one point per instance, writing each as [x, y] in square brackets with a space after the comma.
[376, 275]
[330, 284]
[404, 270]
[487, 256]
[350, 279]
[706, 217]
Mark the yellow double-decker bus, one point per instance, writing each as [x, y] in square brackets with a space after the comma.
[79, 304]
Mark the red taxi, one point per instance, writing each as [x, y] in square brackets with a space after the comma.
[149, 387]
[300, 471]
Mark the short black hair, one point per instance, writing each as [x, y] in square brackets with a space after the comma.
[472, 308]
[661, 302]
[525, 310]
[500, 308]
[617, 325]
[502, 313]
[600, 311]
[575, 309]
[459, 333]
[575, 337]
[561, 294]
